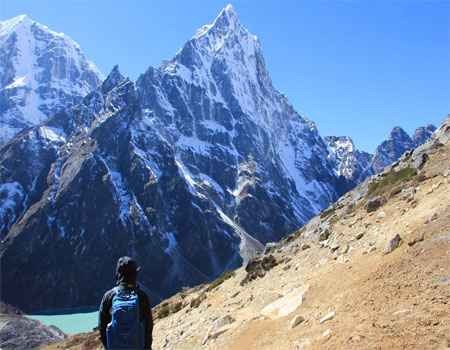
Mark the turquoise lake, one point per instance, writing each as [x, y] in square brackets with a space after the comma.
[70, 323]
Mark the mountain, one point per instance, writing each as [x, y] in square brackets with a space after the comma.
[191, 170]
[371, 272]
[423, 134]
[397, 144]
[20, 332]
[355, 165]
[41, 71]
[349, 162]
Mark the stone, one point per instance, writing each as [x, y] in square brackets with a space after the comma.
[235, 294]
[359, 236]
[305, 246]
[327, 334]
[327, 317]
[374, 203]
[345, 249]
[218, 327]
[284, 305]
[324, 235]
[334, 247]
[381, 215]
[257, 267]
[296, 321]
[213, 335]
[393, 244]
[270, 247]
[420, 160]
[396, 190]
[223, 321]
[303, 344]
[419, 237]
[408, 194]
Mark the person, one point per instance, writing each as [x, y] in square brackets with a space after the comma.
[125, 317]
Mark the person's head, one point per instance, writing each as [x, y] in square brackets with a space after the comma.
[126, 270]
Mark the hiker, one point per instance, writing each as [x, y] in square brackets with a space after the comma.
[125, 317]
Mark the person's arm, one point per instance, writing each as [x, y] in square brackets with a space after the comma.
[150, 327]
[148, 319]
[104, 316]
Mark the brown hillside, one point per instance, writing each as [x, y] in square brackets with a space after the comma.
[342, 279]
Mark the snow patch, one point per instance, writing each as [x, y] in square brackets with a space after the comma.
[11, 197]
[52, 134]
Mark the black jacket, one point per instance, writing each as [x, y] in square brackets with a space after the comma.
[104, 314]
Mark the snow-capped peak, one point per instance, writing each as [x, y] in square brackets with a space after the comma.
[8, 26]
[340, 143]
[113, 79]
[348, 161]
[226, 21]
[225, 29]
[43, 72]
[224, 57]
[18, 23]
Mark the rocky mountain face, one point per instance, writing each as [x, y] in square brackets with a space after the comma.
[423, 134]
[41, 72]
[20, 332]
[348, 161]
[191, 170]
[397, 144]
[355, 165]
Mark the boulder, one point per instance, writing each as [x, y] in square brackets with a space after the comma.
[327, 334]
[284, 305]
[296, 321]
[374, 203]
[305, 246]
[408, 194]
[219, 327]
[223, 321]
[420, 160]
[324, 235]
[327, 317]
[416, 239]
[270, 247]
[393, 244]
[381, 215]
[257, 268]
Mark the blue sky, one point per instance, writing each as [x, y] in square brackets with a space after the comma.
[356, 68]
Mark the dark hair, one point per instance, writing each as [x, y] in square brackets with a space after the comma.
[126, 270]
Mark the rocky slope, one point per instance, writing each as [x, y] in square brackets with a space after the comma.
[41, 72]
[19, 332]
[370, 272]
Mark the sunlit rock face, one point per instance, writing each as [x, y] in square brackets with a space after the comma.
[41, 72]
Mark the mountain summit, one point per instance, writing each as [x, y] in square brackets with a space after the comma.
[42, 72]
[227, 21]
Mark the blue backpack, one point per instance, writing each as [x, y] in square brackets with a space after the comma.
[126, 330]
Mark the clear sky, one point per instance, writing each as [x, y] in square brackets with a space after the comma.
[356, 68]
